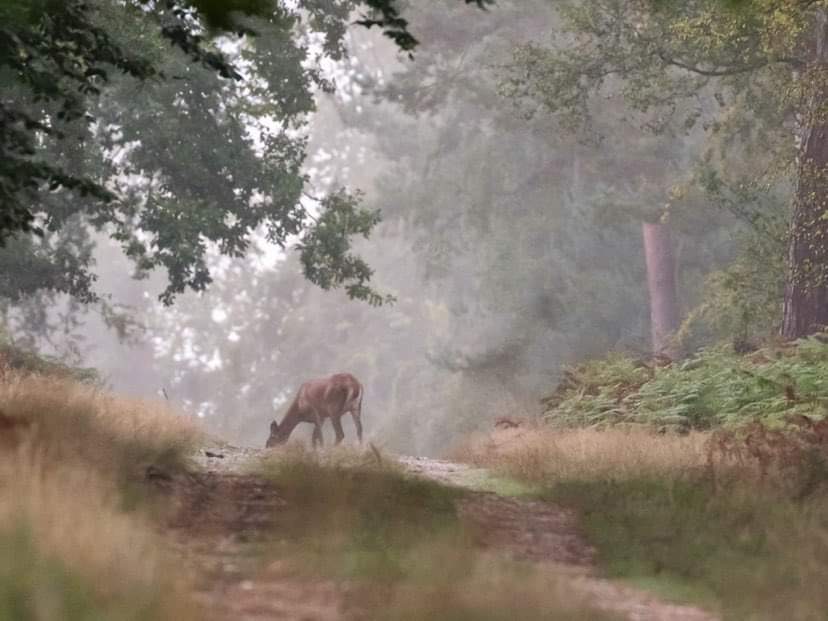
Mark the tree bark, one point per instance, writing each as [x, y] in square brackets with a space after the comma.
[806, 291]
[661, 284]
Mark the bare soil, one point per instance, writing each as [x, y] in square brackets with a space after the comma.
[222, 515]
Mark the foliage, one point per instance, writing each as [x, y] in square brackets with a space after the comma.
[324, 251]
[659, 54]
[503, 243]
[594, 391]
[741, 301]
[56, 53]
[387, 17]
[60, 53]
[59, 65]
[714, 387]
[740, 73]
[15, 359]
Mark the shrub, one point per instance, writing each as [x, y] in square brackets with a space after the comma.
[20, 361]
[715, 387]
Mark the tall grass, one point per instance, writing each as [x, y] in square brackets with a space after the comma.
[115, 436]
[693, 516]
[452, 583]
[397, 543]
[354, 517]
[70, 456]
[545, 455]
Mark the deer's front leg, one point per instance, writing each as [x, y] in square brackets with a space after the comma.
[317, 430]
[317, 435]
[337, 425]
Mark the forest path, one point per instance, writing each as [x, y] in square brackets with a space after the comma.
[223, 515]
[222, 527]
[547, 534]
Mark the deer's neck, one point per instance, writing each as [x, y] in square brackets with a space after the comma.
[289, 422]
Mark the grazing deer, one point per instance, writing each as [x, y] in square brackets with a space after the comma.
[318, 399]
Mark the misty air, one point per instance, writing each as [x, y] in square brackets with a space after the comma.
[384, 309]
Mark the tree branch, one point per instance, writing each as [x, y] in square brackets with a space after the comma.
[735, 70]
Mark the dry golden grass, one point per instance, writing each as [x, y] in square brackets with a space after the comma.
[66, 419]
[68, 453]
[72, 518]
[545, 455]
[461, 584]
[733, 519]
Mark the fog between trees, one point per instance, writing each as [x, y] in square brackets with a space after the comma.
[512, 245]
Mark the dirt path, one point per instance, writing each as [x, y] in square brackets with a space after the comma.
[222, 516]
[544, 533]
[221, 520]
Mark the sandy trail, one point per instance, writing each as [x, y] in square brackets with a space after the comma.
[222, 516]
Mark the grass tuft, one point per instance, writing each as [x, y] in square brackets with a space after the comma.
[544, 455]
[65, 419]
[71, 461]
[364, 514]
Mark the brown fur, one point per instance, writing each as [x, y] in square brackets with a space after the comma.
[318, 399]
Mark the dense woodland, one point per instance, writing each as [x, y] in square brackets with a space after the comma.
[454, 201]
[575, 250]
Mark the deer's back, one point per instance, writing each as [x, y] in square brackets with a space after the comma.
[329, 395]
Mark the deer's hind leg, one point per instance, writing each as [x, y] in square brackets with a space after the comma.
[356, 413]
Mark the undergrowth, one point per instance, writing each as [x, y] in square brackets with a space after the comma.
[77, 537]
[398, 543]
[736, 520]
[715, 387]
[20, 361]
[371, 514]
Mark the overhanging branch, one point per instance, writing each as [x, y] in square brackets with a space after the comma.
[727, 71]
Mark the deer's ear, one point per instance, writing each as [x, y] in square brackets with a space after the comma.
[274, 427]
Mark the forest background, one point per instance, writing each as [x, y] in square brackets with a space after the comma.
[539, 184]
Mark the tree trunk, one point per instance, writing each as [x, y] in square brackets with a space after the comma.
[661, 283]
[806, 291]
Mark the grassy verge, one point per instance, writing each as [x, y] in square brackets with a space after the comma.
[696, 518]
[77, 544]
[399, 545]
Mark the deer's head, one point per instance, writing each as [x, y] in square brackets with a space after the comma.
[275, 438]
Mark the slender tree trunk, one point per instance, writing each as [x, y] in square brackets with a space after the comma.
[806, 291]
[661, 283]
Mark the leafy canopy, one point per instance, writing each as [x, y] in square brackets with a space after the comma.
[66, 66]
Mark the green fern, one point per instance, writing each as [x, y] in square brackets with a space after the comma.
[716, 387]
